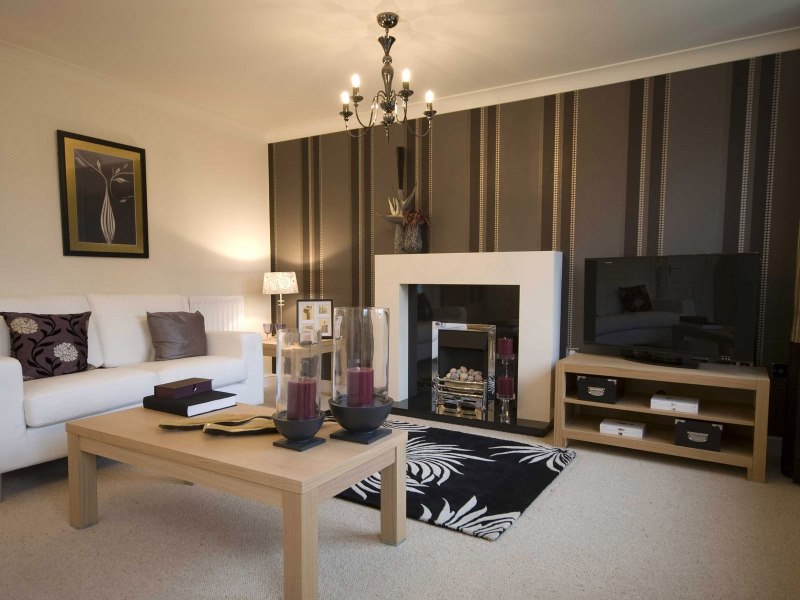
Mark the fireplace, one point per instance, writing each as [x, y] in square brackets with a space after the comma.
[462, 373]
[534, 277]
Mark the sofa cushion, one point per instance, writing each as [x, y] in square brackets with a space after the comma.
[57, 304]
[121, 321]
[222, 370]
[177, 334]
[48, 345]
[59, 399]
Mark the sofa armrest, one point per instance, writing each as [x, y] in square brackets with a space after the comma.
[12, 414]
[245, 345]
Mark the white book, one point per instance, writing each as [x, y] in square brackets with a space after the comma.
[624, 428]
[680, 404]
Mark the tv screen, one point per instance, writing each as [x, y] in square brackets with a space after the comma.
[675, 309]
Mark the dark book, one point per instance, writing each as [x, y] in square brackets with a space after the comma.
[190, 406]
[182, 388]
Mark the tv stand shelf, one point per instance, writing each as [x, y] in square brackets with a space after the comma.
[737, 397]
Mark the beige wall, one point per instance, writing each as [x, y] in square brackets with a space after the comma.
[207, 194]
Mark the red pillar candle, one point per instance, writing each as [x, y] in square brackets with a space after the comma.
[360, 384]
[505, 346]
[301, 399]
[505, 386]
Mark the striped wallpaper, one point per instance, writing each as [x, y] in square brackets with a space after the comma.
[697, 161]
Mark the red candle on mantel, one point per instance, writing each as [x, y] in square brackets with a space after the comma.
[360, 383]
[505, 347]
[505, 386]
[301, 399]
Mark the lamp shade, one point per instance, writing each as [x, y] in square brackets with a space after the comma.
[280, 283]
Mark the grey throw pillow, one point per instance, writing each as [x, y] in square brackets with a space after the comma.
[177, 334]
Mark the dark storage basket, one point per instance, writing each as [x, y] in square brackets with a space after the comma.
[599, 389]
[698, 434]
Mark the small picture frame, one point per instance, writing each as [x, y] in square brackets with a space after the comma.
[103, 197]
[315, 315]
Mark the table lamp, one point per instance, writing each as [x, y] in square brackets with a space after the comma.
[280, 283]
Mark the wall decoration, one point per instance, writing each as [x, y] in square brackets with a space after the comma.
[103, 197]
[691, 162]
[315, 315]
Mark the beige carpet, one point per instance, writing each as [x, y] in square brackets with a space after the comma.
[615, 524]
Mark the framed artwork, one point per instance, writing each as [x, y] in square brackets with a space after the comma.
[315, 315]
[103, 197]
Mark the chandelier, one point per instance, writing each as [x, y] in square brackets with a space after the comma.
[386, 104]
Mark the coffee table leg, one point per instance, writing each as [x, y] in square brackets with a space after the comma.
[393, 499]
[300, 536]
[82, 484]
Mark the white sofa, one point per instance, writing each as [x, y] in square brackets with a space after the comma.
[33, 413]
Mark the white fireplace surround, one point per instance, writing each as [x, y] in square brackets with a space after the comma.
[538, 275]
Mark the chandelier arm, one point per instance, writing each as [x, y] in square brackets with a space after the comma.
[360, 122]
[419, 135]
[358, 134]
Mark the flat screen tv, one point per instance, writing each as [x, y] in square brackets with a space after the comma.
[679, 310]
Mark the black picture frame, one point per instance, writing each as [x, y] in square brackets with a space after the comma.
[103, 197]
[315, 314]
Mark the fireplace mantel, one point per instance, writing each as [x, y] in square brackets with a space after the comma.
[538, 275]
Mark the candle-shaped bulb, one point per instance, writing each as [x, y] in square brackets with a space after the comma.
[345, 98]
[429, 98]
[406, 78]
[355, 81]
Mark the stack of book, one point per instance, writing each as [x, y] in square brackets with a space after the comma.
[188, 397]
[623, 428]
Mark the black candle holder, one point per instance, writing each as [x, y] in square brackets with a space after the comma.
[361, 424]
[299, 434]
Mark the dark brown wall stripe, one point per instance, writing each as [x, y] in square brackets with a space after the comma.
[316, 201]
[641, 208]
[475, 179]
[482, 183]
[557, 171]
[320, 282]
[768, 198]
[366, 212]
[496, 182]
[658, 165]
[548, 171]
[637, 156]
[738, 174]
[572, 215]
[306, 287]
[355, 218]
[566, 210]
[662, 188]
[746, 158]
[369, 259]
[273, 234]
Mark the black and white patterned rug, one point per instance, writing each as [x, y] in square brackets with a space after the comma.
[474, 484]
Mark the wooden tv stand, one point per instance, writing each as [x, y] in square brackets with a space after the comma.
[737, 397]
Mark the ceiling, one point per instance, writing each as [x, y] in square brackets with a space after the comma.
[276, 67]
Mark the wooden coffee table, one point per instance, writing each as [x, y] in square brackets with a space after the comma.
[250, 467]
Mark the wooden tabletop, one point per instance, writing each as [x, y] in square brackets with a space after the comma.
[251, 458]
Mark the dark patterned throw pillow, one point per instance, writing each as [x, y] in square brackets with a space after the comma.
[49, 345]
[634, 298]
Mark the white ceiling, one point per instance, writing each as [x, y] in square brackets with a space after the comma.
[278, 67]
